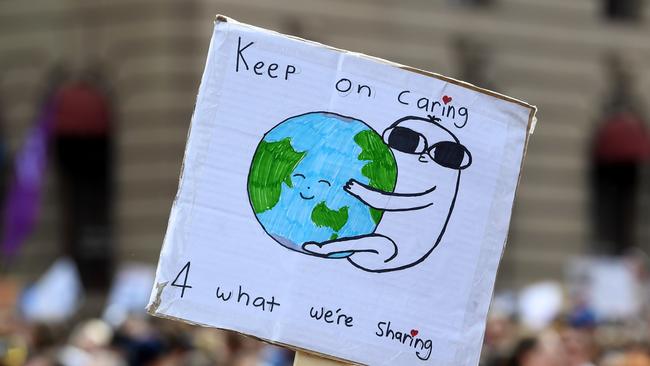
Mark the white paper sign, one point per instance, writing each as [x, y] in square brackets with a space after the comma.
[43, 302]
[606, 285]
[339, 203]
[129, 292]
[539, 304]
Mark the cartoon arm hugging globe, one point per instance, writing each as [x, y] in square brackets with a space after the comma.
[328, 185]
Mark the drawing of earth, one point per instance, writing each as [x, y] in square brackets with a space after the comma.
[296, 178]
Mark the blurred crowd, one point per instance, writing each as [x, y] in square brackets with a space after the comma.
[143, 340]
[566, 342]
[56, 321]
[139, 340]
[598, 316]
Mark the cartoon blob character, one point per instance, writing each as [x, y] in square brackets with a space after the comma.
[430, 160]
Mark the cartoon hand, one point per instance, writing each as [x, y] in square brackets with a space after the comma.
[325, 250]
[361, 192]
[354, 188]
[369, 252]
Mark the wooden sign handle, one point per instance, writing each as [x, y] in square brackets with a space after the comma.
[308, 359]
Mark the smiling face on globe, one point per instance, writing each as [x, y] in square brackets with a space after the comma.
[296, 179]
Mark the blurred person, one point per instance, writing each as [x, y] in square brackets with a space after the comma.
[275, 356]
[525, 353]
[240, 343]
[177, 342]
[43, 342]
[582, 315]
[22, 200]
[579, 346]
[4, 159]
[83, 150]
[13, 350]
[542, 350]
[498, 340]
[620, 146]
[636, 356]
[246, 358]
[138, 341]
[612, 359]
[210, 347]
[245, 350]
[88, 345]
[42, 361]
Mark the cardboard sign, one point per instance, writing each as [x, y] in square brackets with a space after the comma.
[540, 304]
[42, 302]
[608, 286]
[340, 203]
[129, 292]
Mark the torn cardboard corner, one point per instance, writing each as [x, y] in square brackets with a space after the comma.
[153, 306]
[320, 183]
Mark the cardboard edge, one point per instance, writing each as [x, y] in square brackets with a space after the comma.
[530, 129]
[219, 18]
[532, 122]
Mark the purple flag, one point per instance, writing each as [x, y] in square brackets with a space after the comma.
[23, 197]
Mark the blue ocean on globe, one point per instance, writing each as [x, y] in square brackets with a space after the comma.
[298, 173]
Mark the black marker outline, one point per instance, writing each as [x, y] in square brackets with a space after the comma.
[431, 119]
[426, 255]
[465, 151]
[427, 149]
[393, 194]
[306, 198]
[349, 238]
[385, 136]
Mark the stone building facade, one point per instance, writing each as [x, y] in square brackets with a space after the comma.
[549, 53]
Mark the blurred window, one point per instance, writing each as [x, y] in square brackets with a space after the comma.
[623, 9]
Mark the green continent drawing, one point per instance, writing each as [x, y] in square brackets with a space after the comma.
[381, 168]
[273, 164]
[323, 216]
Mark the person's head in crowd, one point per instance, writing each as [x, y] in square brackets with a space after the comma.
[637, 355]
[498, 331]
[139, 341]
[212, 344]
[42, 360]
[246, 358]
[613, 359]
[44, 336]
[89, 344]
[542, 350]
[578, 345]
[525, 351]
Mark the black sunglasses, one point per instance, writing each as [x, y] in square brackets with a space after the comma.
[448, 154]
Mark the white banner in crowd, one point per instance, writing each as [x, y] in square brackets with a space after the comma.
[608, 286]
[44, 302]
[339, 203]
